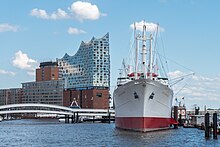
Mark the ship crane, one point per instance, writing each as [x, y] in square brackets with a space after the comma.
[178, 79]
[125, 69]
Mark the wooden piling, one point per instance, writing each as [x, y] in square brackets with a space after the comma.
[176, 116]
[215, 126]
[207, 129]
[180, 120]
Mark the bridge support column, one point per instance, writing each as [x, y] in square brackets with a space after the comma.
[65, 118]
[72, 119]
[74, 115]
[68, 119]
[6, 116]
[77, 117]
[109, 117]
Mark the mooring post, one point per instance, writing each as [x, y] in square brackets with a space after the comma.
[176, 116]
[196, 110]
[180, 120]
[215, 126]
[207, 129]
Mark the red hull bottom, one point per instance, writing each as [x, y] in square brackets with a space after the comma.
[143, 124]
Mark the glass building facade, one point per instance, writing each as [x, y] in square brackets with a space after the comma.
[89, 68]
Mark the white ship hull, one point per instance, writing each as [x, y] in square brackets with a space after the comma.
[143, 105]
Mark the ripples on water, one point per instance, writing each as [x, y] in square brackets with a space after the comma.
[51, 133]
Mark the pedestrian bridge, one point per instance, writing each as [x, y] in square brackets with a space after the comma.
[51, 109]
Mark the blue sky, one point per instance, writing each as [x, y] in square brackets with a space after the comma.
[40, 30]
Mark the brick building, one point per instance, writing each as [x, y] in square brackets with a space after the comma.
[47, 71]
[46, 92]
[11, 96]
[90, 98]
[47, 88]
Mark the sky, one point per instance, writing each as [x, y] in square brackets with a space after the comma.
[42, 30]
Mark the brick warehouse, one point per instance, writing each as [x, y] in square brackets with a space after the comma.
[91, 98]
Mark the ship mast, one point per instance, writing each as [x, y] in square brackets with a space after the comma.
[136, 52]
[150, 64]
[144, 51]
[144, 39]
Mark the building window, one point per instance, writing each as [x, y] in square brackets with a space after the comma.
[99, 94]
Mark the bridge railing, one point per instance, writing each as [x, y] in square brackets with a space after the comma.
[22, 108]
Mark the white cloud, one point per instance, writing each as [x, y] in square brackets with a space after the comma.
[202, 99]
[75, 31]
[150, 27]
[40, 13]
[60, 14]
[198, 89]
[5, 27]
[85, 10]
[31, 73]
[22, 61]
[175, 74]
[79, 10]
[4, 72]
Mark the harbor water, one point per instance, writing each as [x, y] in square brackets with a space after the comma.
[51, 133]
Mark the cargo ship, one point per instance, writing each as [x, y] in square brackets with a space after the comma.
[143, 99]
